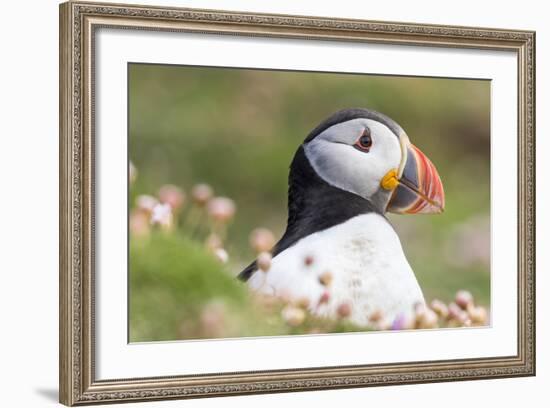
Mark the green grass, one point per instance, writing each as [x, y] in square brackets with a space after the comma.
[238, 130]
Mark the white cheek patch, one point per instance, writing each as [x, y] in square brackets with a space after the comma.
[334, 158]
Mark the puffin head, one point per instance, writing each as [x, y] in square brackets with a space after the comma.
[368, 154]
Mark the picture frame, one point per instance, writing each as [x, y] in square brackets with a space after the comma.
[79, 25]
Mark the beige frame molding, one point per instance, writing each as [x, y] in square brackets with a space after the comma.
[78, 22]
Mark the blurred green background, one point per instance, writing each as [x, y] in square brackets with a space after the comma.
[238, 129]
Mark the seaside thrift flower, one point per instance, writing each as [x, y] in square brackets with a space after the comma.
[172, 195]
[293, 316]
[427, 319]
[264, 261]
[221, 255]
[324, 298]
[401, 322]
[201, 194]
[325, 279]
[376, 316]
[478, 315]
[457, 316]
[262, 240]
[454, 311]
[344, 310]
[464, 299]
[221, 209]
[440, 308]
[162, 215]
[146, 202]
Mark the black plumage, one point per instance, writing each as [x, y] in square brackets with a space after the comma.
[313, 204]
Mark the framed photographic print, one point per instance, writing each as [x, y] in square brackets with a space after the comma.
[258, 203]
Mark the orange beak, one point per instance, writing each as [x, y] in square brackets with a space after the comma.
[418, 189]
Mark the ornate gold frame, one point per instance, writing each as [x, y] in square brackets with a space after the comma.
[78, 22]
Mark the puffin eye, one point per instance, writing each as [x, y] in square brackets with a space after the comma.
[364, 142]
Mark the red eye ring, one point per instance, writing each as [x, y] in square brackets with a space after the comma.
[364, 142]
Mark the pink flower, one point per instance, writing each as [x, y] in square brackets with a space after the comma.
[293, 316]
[221, 209]
[146, 203]
[264, 261]
[172, 195]
[162, 215]
[201, 194]
[262, 240]
[464, 299]
[344, 310]
[221, 255]
[401, 322]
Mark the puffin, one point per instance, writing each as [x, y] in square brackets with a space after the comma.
[350, 171]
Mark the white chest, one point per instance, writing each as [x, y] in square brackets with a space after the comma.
[365, 259]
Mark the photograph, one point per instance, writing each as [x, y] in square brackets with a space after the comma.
[277, 202]
[259, 202]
